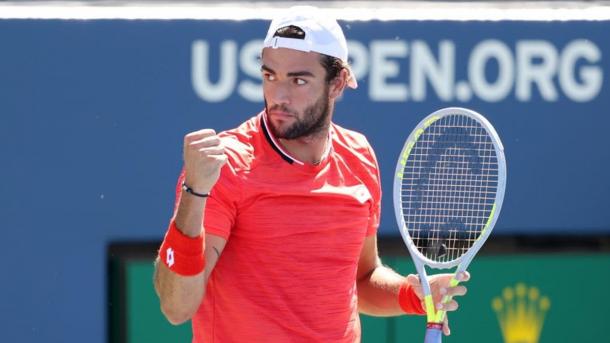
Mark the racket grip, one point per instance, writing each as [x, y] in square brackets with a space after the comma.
[440, 315]
[434, 333]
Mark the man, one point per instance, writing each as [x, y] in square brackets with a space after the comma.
[274, 233]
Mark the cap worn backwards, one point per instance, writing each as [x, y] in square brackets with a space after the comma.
[322, 35]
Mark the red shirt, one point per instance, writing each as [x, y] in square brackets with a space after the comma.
[294, 235]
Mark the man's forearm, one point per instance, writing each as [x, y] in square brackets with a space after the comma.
[378, 292]
[180, 295]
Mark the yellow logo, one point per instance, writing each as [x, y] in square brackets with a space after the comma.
[521, 311]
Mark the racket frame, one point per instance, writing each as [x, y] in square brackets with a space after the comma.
[464, 260]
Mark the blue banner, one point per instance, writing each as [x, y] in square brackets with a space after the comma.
[93, 114]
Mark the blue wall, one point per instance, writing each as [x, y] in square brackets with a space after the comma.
[92, 115]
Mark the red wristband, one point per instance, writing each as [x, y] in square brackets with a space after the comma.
[182, 254]
[409, 301]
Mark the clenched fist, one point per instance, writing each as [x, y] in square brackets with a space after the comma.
[204, 155]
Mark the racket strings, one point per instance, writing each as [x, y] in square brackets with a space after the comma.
[449, 184]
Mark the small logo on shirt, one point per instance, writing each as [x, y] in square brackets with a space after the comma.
[362, 194]
[358, 192]
[169, 259]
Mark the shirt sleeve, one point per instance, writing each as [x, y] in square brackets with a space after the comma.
[375, 190]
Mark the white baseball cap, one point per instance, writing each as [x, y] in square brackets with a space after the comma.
[322, 35]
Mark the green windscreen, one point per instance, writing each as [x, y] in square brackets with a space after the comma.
[539, 297]
[146, 322]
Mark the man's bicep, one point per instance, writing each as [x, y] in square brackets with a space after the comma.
[214, 245]
[369, 257]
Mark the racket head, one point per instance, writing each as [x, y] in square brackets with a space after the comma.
[449, 186]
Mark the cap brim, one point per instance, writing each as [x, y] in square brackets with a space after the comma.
[351, 81]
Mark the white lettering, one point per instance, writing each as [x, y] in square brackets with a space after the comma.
[250, 64]
[529, 72]
[425, 67]
[383, 68]
[200, 76]
[481, 54]
[591, 76]
[398, 71]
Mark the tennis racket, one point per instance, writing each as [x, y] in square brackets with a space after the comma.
[448, 191]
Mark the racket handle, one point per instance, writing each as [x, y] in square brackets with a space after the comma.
[440, 315]
[434, 333]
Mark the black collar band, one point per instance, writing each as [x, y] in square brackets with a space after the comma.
[272, 143]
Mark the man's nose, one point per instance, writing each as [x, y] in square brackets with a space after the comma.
[279, 94]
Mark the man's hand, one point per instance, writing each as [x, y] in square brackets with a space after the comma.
[204, 155]
[439, 285]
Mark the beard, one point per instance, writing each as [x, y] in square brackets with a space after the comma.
[313, 120]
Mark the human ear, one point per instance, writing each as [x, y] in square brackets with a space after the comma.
[338, 84]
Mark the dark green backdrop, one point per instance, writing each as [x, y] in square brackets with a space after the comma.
[574, 284]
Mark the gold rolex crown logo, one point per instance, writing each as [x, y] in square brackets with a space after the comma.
[521, 311]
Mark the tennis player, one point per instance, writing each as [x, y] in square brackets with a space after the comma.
[274, 233]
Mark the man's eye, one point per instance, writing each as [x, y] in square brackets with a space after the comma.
[300, 82]
[269, 77]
